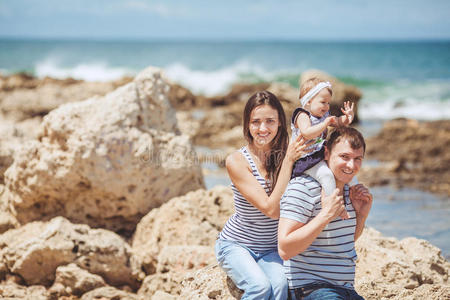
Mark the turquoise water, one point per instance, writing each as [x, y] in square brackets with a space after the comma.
[398, 79]
[410, 212]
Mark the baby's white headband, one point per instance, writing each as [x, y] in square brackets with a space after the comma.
[314, 91]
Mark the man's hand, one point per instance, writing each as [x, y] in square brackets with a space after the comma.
[361, 199]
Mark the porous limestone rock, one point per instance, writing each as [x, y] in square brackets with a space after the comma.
[412, 153]
[194, 219]
[35, 250]
[209, 283]
[160, 295]
[7, 218]
[174, 262]
[12, 136]
[11, 290]
[23, 96]
[105, 161]
[387, 266]
[72, 280]
[169, 283]
[109, 293]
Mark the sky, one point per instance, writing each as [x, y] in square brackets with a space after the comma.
[226, 20]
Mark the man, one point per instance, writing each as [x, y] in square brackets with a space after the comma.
[318, 246]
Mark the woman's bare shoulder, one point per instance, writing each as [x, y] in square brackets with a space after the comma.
[235, 161]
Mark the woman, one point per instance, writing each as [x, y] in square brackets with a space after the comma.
[247, 246]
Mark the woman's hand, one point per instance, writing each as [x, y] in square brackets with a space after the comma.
[361, 199]
[297, 149]
[332, 205]
[331, 121]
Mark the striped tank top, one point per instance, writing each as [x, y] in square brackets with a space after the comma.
[248, 225]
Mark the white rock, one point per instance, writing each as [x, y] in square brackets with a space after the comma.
[105, 161]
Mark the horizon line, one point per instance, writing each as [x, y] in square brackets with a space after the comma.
[217, 40]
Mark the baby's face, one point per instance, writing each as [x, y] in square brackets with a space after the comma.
[320, 104]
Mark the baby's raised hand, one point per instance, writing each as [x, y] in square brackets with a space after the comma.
[348, 112]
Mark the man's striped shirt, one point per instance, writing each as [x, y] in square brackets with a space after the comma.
[331, 256]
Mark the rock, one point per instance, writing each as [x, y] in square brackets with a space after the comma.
[413, 154]
[16, 81]
[173, 263]
[187, 124]
[22, 104]
[181, 98]
[105, 161]
[11, 290]
[425, 291]
[7, 221]
[72, 280]
[109, 293]
[12, 136]
[209, 283]
[35, 250]
[23, 96]
[169, 283]
[184, 258]
[341, 92]
[386, 268]
[7, 218]
[191, 220]
[215, 123]
[160, 295]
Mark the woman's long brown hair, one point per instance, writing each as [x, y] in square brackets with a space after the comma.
[280, 142]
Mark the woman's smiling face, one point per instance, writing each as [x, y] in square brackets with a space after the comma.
[263, 125]
[344, 161]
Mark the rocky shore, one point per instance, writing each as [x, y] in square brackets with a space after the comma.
[412, 154]
[102, 193]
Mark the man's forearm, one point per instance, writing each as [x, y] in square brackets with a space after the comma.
[360, 223]
[291, 243]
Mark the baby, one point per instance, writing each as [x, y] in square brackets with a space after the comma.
[311, 121]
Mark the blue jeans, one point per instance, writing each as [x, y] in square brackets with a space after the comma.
[259, 275]
[328, 293]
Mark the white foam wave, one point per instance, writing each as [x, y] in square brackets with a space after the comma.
[423, 101]
[97, 71]
[429, 100]
[210, 83]
[412, 110]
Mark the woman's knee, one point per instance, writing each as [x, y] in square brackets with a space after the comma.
[259, 289]
[279, 282]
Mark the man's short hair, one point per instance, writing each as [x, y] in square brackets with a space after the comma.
[353, 136]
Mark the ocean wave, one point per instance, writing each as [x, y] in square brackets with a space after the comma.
[96, 71]
[424, 100]
[213, 82]
[418, 110]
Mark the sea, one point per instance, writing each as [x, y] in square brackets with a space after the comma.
[408, 79]
[397, 78]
